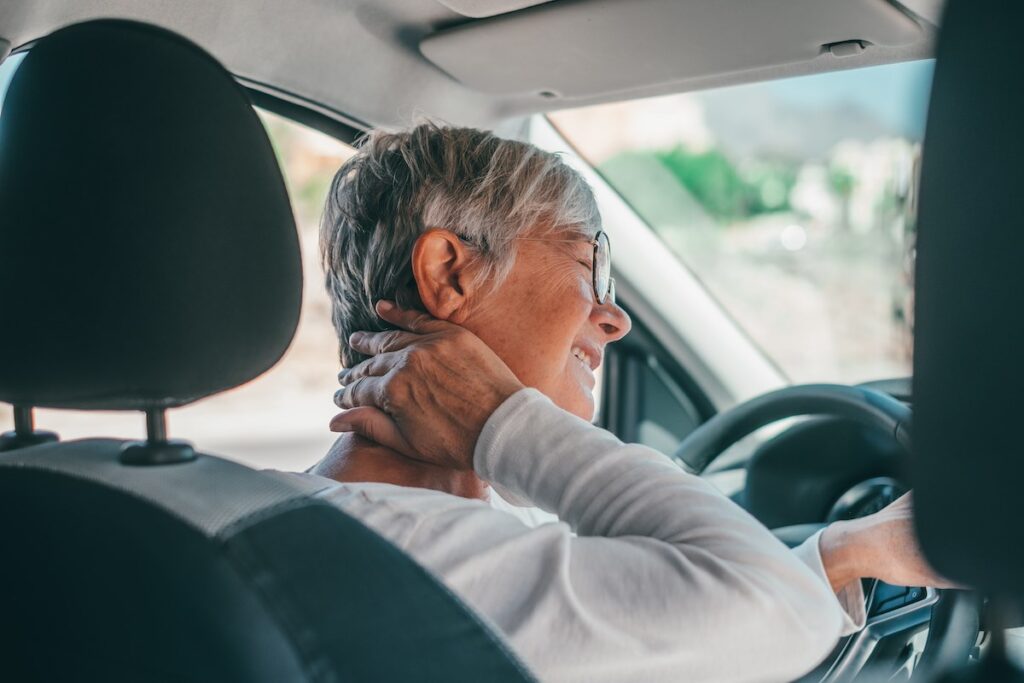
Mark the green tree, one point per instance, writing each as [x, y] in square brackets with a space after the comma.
[842, 183]
[712, 179]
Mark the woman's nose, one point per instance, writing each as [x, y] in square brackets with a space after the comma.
[612, 319]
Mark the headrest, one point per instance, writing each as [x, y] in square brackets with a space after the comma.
[148, 253]
[969, 319]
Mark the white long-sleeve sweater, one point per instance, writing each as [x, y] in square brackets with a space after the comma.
[650, 574]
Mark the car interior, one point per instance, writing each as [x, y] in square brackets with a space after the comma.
[151, 259]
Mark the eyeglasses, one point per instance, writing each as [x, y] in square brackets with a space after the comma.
[600, 267]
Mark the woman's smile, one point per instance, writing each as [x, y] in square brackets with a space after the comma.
[585, 372]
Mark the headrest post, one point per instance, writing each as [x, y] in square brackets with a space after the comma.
[156, 425]
[24, 422]
[157, 449]
[24, 434]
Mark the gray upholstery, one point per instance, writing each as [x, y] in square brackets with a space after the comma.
[551, 48]
[359, 61]
[210, 494]
[207, 570]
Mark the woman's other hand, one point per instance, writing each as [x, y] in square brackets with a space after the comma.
[426, 392]
[880, 546]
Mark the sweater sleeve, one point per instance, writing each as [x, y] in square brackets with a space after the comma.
[851, 597]
[652, 574]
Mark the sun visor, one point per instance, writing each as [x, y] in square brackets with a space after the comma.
[587, 48]
[488, 8]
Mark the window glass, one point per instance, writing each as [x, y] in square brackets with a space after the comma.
[280, 419]
[7, 69]
[793, 201]
[667, 416]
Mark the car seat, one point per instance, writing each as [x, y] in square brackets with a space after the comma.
[148, 259]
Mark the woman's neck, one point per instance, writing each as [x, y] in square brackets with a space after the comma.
[355, 459]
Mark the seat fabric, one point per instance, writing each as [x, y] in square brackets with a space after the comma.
[133, 576]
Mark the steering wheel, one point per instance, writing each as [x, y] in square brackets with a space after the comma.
[952, 616]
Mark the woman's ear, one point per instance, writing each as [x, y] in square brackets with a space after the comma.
[440, 265]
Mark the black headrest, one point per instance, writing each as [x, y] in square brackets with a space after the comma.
[148, 254]
[969, 320]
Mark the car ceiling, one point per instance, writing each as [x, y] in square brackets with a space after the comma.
[476, 62]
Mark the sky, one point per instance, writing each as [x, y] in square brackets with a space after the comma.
[896, 93]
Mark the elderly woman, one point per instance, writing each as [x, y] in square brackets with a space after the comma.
[470, 282]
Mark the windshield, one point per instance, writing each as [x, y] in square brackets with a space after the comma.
[793, 201]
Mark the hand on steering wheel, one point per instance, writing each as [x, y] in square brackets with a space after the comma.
[953, 614]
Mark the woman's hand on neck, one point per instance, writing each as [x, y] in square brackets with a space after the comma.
[355, 459]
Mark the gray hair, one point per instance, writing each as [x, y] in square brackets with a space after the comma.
[486, 190]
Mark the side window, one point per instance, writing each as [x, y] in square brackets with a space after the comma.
[666, 415]
[7, 69]
[647, 397]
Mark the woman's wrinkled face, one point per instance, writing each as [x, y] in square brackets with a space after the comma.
[545, 322]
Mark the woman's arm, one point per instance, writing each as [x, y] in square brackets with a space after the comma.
[654, 576]
[663, 566]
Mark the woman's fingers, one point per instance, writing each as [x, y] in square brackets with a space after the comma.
[411, 320]
[375, 343]
[371, 367]
[375, 425]
[412, 324]
[366, 391]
